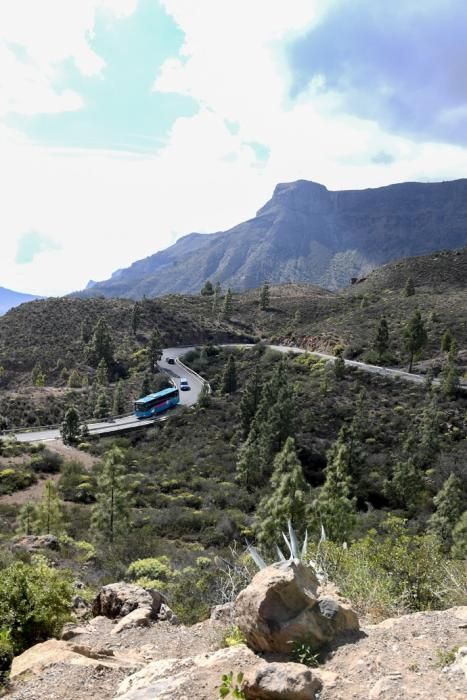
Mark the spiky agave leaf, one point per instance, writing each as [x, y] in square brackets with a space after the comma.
[293, 541]
[256, 556]
[280, 554]
[304, 546]
[289, 546]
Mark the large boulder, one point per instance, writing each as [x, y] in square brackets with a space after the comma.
[116, 600]
[285, 604]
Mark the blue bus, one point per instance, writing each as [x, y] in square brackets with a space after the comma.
[152, 404]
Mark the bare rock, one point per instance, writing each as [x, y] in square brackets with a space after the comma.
[192, 677]
[283, 604]
[140, 617]
[460, 662]
[34, 543]
[40, 656]
[222, 613]
[281, 681]
[166, 614]
[119, 599]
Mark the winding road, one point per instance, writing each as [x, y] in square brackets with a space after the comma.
[189, 398]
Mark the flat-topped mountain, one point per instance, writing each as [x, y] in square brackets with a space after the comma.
[306, 233]
[9, 299]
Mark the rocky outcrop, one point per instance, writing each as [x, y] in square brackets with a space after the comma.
[117, 600]
[34, 543]
[200, 677]
[284, 604]
[52, 652]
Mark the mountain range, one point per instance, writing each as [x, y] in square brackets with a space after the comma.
[9, 299]
[306, 233]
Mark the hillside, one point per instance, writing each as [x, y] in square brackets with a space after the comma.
[306, 233]
[9, 299]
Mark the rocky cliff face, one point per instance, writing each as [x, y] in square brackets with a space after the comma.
[307, 233]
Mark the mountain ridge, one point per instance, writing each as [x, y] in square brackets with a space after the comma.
[306, 233]
[9, 299]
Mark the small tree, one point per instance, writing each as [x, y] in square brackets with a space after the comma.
[459, 538]
[339, 367]
[118, 399]
[415, 337]
[229, 378]
[382, 339]
[446, 341]
[409, 287]
[204, 400]
[136, 317]
[208, 289]
[111, 513]
[101, 345]
[146, 385]
[449, 504]
[264, 298]
[102, 373]
[288, 500]
[227, 307]
[74, 380]
[407, 485]
[250, 401]
[335, 505]
[86, 331]
[70, 429]
[450, 373]
[49, 518]
[154, 350]
[26, 519]
[102, 408]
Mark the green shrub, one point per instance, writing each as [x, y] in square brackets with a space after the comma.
[393, 572]
[6, 654]
[34, 602]
[155, 568]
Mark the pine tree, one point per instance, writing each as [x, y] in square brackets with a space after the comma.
[427, 434]
[339, 367]
[207, 289]
[229, 378]
[74, 380]
[101, 345]
[289, 499]
[227, 307]
[102, 373]
[459, 538]
[146, 386]
[118, 399]
[382, 340]
[86, 331]
[154, 350]
[450, 373]
[250, 401]
[446, 341]
[49, 519]
[136, 317]
[102, 408]
[204, 400]
[415, 336]
[70, 429]
[264, 298]
[335, 507]
[409, 287]
[27, 519]
[297, 319]
[36, 373]
[111, 513]
[449, 504]
[407, 486]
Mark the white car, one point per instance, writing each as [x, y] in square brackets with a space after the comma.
[184, 386]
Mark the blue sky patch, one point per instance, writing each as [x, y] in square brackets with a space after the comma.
[31, 244]
[121, 111]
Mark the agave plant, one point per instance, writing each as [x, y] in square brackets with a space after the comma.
[296, 553]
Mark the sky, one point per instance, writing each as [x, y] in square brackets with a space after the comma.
[125, 124]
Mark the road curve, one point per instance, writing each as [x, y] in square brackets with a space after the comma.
[189, 398]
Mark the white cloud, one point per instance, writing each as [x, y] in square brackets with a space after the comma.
[36, 37]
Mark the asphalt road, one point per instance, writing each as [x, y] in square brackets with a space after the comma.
[189, 398]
